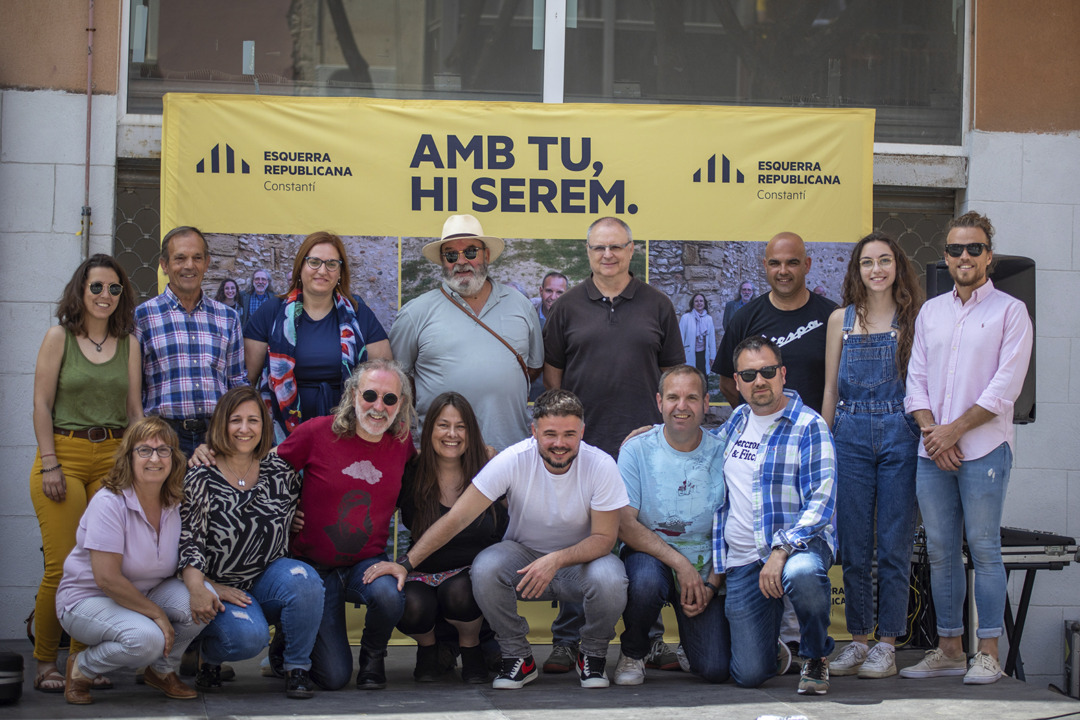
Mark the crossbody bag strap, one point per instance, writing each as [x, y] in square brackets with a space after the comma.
[478, 321]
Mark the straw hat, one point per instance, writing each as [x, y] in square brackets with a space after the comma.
[459, 227]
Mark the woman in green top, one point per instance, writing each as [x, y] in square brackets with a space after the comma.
[87, 388]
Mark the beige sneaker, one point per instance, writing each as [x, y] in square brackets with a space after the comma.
[936, 664]
[983, 671]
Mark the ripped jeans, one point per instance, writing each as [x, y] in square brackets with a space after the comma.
[288, 592]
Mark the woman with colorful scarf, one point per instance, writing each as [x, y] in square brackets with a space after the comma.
[302, 346]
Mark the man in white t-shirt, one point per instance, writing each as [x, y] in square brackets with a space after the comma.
[773, 536]
[564, 498]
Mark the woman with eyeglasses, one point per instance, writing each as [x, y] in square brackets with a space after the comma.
[302, 346]
[452, 452]
[120, 594]
[87, 388]
[868, 346]
[228, 293]
[234, 544]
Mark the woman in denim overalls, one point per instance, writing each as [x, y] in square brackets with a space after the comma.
[868, 346]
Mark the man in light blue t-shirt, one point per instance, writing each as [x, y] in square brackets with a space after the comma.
[674, 477]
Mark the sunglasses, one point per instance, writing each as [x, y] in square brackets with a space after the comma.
[768, 372]
[973, 249]
[114, 288]
[389, 399]
[470, 253]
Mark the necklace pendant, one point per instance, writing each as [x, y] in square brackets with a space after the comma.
[241, 483]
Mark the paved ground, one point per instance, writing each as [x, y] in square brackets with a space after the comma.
[664, 696]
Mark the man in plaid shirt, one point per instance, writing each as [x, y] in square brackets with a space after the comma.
[773, 536]
[192, 347]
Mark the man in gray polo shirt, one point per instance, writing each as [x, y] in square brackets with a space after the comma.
[440, 339]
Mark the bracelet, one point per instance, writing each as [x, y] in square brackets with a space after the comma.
[48, 470]
[715, 590]
[403, 561]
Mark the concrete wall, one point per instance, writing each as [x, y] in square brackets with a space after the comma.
[42, 154]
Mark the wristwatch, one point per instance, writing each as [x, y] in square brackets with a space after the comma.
[786, 547]
[403, 561]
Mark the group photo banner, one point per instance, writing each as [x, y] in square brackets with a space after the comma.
[356, 166]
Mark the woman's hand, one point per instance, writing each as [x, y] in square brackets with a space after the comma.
[167, 630]
[297, 523]
[229, 594]
[54, 485]
[386, 568]
[203, 455]
[205, 605]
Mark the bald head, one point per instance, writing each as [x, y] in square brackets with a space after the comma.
[786, 266]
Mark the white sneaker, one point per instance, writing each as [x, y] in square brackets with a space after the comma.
[880, 662]
[983, 671]
[629, 671]
[684, 662]
[936, 664]
[849, 660]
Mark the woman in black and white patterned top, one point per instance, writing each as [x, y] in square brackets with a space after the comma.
[233, 548]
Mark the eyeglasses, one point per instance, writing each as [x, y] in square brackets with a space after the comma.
[768, 372]
[973, 249]
[883, 262]
[162, 451]
[470, 253]
[315, 263]
[389, 399]
[602, 249]
[114, 288]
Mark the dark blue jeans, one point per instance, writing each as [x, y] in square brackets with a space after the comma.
[331, 658]
[288, 592]
[705, 638]
[754, 620]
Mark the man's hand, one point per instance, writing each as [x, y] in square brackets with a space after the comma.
[692, 590]
[203, 455]
[770, 579]
[386, 567]
[939, 438]
[949, 460]
[536, 576]
[297, 523]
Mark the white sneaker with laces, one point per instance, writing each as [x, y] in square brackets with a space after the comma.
[983, 671]
[629, 671]
[849, 660]
[880, 662]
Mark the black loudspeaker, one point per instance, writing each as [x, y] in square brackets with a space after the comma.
[1014, 275]
[11, 677]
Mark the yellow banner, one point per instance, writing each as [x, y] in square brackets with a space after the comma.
[257, 164]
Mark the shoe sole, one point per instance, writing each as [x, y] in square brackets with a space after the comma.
[300, 694]
[630, 681]
[813, 691]
[506, 684]
[988, 680]
[922, 674]
[871, 674]
[843, 672]
[593, 683]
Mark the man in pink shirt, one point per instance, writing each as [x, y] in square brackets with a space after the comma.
[968, 362]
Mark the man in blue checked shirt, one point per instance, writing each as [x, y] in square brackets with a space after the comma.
[192, 346]
[773, 536]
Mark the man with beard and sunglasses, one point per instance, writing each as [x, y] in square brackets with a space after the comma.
[564, 498]
[773, 536]
[352, 463]
[968, 362]
[472, 335]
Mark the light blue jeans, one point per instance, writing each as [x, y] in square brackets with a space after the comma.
[967, 502]
[288, 592]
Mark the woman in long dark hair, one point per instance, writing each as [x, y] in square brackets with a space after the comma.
[228, 293]
[867, 351]
[87, 388]
[452, 452]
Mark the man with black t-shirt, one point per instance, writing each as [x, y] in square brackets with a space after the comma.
[789, 315]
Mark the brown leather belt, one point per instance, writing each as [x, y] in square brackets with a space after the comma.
[94, 434]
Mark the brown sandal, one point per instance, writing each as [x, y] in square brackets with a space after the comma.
[46, 682]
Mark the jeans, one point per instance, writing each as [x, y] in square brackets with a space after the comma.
[600, 585]
[754, 619]
[969, 502]
[85, 463]
[121, 638]
[705, 638]
[288, 592]
[876, 454]
[331, 657]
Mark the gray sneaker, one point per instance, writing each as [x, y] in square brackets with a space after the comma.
[662, 657]
[561, 659]
[936, 664]
[880, 662]
[783, 658]
[849, 660]
[814, 677]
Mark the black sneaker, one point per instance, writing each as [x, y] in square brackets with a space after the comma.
[515, 673]
[208, 679]
[298, 684]
[814, 678]
[590, 669]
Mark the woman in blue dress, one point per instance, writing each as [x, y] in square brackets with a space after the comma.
[867, 351]
[302, 346]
